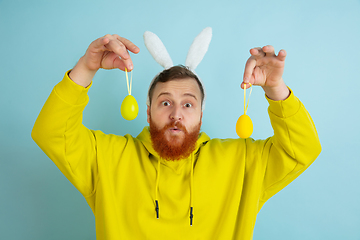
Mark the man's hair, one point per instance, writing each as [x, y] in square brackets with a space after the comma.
[174, 73]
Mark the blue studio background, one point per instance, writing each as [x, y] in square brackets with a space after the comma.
[40, 40]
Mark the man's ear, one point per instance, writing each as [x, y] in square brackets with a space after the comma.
[201, 118]
[148, 114]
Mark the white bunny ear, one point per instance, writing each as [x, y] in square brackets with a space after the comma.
[198, 48]
[157, 50]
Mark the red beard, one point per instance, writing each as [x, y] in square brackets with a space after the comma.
[170, 150]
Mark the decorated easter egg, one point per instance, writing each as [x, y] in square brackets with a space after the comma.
[129, 108]
[244, 126]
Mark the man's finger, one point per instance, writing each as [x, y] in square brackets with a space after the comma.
[129, 64]
[119, 63]
[118, 48]
[269, 51]
[257, 53]
[99, 44]
[249, 69]
[128, 44]
[282, 55]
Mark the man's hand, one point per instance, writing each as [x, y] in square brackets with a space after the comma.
[265, 69]
[108, 52]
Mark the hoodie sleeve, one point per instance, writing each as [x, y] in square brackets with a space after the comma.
[59, 132]
[292, 149]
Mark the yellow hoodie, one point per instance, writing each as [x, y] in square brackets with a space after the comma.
[214, 194]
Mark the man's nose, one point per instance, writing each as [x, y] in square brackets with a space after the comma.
[176, 114]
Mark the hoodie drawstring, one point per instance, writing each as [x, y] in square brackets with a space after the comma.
[157, 209]
[191, 189]
[156, 190]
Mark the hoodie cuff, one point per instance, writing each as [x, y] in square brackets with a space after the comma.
[71, 92]
[284, 108]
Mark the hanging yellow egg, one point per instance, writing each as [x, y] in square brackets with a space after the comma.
[129, 108]
[244, 126]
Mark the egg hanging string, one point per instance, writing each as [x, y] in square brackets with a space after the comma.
[127, 81]
[129, 106]
[247, 105]
[244, 126]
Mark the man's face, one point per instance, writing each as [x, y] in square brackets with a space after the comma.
[175, 105]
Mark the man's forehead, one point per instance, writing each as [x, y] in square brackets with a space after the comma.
[186, 87]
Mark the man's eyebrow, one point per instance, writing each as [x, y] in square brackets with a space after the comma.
[169, 94]
[190, 95]
[164, 93]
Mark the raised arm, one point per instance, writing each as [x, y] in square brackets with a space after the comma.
[295, 144]
[59, 131]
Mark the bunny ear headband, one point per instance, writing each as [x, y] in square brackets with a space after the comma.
[195, 55]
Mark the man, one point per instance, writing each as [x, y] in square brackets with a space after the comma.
[171, 181]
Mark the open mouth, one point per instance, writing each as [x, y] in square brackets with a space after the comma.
[174, 130]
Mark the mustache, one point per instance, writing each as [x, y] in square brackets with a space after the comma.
[177, 125]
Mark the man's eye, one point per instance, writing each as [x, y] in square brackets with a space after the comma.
[187, 105]
[165, 103]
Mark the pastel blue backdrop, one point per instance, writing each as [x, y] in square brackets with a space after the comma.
[40, 40]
